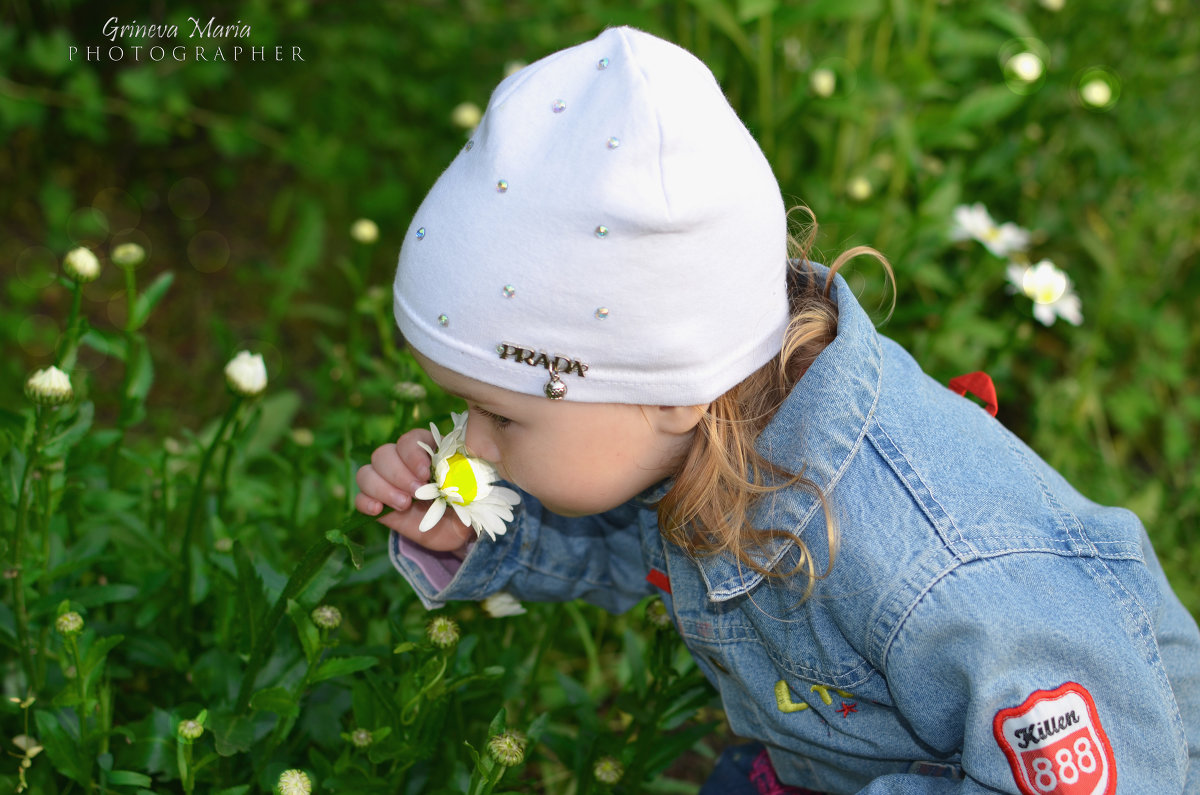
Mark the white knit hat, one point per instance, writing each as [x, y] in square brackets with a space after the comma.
[610, 233]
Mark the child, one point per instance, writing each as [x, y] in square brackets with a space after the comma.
[890, 591]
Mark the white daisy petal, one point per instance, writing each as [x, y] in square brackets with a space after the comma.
[429, 491]
[436, 509]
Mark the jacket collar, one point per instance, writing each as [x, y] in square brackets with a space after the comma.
[817, 429]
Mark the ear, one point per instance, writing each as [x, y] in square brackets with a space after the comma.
[676, 420]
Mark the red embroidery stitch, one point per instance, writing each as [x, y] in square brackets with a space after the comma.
[659, 580]
[1055, 744]
[980, 385]
[846, 709]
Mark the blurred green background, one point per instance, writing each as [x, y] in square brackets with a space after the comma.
[244, 178]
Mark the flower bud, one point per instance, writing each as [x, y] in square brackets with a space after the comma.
[128, 255]
[69, 624]
[246, 374]
[409, 390]
[466, 115]
[859, 189]
[81, 265]
[364, 230]
[507, 748]
[294, 782]
[327, 617]
[823, 82]
[49, 387]
[362, 738]
[190, 729]
[608, 770]
[657, 616]
[303, 437]
[1096, 93]
[442, 632]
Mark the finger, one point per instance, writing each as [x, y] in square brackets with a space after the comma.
[368, 505]
[389, 466]
[415, 458]
[374, 486]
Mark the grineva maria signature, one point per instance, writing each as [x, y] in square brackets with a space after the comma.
[114, 29]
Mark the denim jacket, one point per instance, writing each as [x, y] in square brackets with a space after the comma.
[983, 628]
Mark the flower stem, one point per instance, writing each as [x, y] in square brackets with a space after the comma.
[312, 562]
[66, 358]
[185, 557]
[17, 548]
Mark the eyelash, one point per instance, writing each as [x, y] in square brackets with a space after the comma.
[500, 422]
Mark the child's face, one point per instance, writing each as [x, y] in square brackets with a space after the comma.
[575, 458]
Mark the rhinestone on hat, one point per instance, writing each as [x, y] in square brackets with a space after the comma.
[509, 291]
[614, 142]
[470, 144]
[602, 64]
[421, 233]
[602, 313]
[602, 231]
[559, 106]
[502, 186]
[443, 320]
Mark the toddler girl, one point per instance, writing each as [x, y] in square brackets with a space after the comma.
[889, 590]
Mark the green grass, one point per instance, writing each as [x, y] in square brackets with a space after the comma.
[241, 180]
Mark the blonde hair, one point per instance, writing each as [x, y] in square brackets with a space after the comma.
[708, 509]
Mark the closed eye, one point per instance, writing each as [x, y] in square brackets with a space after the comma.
[500, 422]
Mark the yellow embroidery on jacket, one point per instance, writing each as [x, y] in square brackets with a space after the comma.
[783, 698]
[823, 692]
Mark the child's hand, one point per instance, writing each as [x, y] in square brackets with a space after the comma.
[395, 472]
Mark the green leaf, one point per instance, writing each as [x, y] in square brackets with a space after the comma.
[275, 699]
[149, 299]
[93, 662]
[341, 666]
[142, 375]
[310, 636]
[61, 747]
[128, 778]
[60, 443]
[986, 105]
[356, 550]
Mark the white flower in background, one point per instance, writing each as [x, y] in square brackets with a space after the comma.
[364, 230]
[859, 189]
[1096, 93]
[81, 265]
[822, 82]
[128, 255]
[466, 115]
[1026, 66]
[1053, 5]
[512, 67]
[975, 222]
[1051, 290]
[502, 604]
[247, 374]
[294, 782]
[49, 387]
[464, 484]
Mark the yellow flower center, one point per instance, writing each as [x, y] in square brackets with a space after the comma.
[461, 476]
[991, 234]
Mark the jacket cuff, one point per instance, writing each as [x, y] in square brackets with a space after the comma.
[440, 577]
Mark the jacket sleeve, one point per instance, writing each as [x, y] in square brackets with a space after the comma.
[1045, 670]
[543, 557]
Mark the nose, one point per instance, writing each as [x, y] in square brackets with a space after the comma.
[478, 440]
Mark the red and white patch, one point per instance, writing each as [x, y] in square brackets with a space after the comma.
[1055, 744]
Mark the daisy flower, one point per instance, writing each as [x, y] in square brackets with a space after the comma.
[464, 483]
[502, 604]
[1051, 290]
[974, 221]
